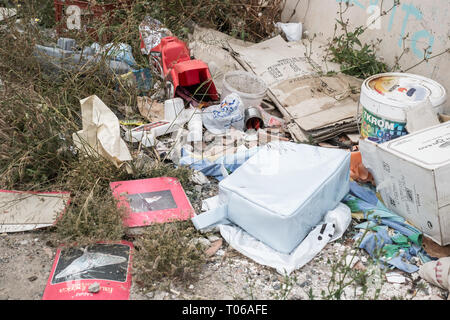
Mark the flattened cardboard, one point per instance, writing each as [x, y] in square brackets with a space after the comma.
[321, 106]
[154, 200]
[75, 269]
[23, 211]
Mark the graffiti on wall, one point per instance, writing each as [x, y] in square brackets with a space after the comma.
[411, 13]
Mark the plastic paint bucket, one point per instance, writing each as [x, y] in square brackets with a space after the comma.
[250, 88]
[385, 99]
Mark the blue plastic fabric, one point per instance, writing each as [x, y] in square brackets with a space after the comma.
[399, 263]
[215, 168]
[364, 193]
[403, 228]
[120, 52]
[363, 199]
[374, 243]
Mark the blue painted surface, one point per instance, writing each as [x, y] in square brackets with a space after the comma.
[412, 16]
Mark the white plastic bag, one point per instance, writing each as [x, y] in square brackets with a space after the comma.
[332, 227]
[293, 31]
[101, 132]
[219, 118]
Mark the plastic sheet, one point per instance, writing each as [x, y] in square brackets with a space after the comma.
[331, 228]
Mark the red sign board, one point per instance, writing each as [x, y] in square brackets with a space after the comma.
[101, 271]
[154, 200]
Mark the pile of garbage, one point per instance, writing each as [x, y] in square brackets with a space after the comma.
[298, 154]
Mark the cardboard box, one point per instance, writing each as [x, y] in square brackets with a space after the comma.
[412, 174]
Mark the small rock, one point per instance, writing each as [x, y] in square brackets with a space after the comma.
[160, 295]
[191, 287]
[220, 252]
[277, 286]
[394, 277]
[214, 248]
[94, 288]
[23, 242]
[48, 251]
[198, 189]
[203, 241]
[351, 261]
[415, 276]
[213, 238]
[32, 278]
[175, 292]
[359, 266]
[199, 178]
[304, 284]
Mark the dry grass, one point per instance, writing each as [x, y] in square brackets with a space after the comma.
[40, 110]
[167, 254]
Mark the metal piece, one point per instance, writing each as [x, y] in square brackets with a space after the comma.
[253, 118]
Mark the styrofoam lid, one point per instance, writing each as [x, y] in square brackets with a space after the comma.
[429, 147]
[402, 89]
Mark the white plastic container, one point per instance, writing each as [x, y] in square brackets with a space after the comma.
[172, 108]
[385, 99]
[250, 88]
[195, 126]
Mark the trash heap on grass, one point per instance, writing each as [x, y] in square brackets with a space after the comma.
[294, 159]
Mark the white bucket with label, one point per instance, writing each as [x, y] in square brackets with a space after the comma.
[385, 99]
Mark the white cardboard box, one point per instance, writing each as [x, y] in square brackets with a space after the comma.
[412, 174]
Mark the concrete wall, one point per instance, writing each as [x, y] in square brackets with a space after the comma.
[426, 21]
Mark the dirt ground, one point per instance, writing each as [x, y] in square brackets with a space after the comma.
[26, 259]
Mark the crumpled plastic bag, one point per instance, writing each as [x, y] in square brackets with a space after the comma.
[219, 118]
[101, 132]
[220, 167]
[151, 32]
[293, 31]
[332, 227]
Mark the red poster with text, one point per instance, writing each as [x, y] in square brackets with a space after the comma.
[154, 200]
[100, 271]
